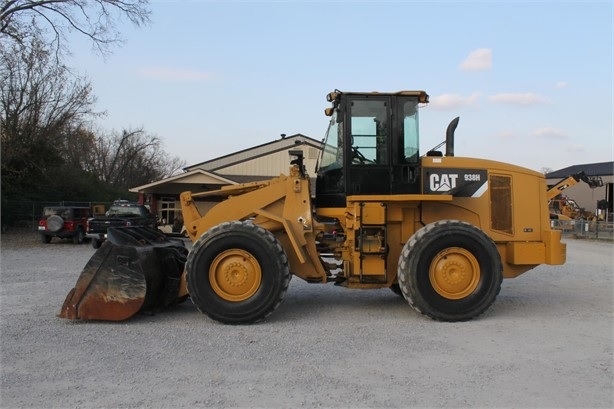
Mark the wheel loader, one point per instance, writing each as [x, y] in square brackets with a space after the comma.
[562, 208]
[439, 230]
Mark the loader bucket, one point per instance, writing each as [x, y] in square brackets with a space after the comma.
[136, 269]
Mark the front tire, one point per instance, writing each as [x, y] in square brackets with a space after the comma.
[237, 273]
[450, 271]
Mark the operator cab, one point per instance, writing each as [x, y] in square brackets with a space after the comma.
[371, 146]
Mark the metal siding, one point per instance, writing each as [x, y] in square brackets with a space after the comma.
[293, 142]
[269, 165]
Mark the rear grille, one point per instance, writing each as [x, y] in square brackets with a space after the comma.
[501, 203]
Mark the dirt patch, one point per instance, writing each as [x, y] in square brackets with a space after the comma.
[546, 342]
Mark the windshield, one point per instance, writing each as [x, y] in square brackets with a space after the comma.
[125, 211]
[371, 136]
[332, 152]
[65, 213]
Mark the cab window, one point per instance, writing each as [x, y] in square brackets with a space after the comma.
[369, 132]
[410, 131]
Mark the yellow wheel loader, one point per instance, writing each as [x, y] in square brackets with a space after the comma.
[440, 230]
[567, 209]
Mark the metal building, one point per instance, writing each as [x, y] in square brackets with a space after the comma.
[260, 162]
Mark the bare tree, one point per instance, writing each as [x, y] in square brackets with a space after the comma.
[95, 19]
[47, 145]
[40, 103]
[131, 158]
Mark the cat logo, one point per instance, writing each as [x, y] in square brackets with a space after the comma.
[442, 182]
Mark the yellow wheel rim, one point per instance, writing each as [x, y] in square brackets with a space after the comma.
[235, 275]
[454, 273]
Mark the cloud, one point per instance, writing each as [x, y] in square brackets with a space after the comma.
[525, 99]
[575, 148]
[549, 133]
[478, 60]
[173, 74]
[453, 101]
[561, 84]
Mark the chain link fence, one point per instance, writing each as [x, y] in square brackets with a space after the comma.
[585, 229]
[27, 213]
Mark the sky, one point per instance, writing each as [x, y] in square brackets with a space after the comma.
[531, 81]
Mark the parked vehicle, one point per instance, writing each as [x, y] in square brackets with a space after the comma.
[64, 222]
[122, 213]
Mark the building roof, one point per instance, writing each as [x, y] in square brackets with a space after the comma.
[194, 177]
[245, 178]
[591, 169]
[212, 174]
[234, 158]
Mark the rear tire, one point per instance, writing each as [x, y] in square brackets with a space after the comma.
[96, 243]
[78, 237]
[237, 273]
[450, 271]
[45, 239]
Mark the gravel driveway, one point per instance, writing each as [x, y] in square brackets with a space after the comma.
[546, 342]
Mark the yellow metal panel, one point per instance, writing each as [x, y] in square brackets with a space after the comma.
[399, 198]
[395, 214]
[372, 265]
[373, 213]
[529, 209]
[466, 209]
[556, 252]
[526, 253]
[409, 225]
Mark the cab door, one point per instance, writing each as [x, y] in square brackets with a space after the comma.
[368, 150]
[405, 146]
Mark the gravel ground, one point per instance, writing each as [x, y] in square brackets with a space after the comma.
[546, 342]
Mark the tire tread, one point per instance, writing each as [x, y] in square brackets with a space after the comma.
[407, 280]
[256, 231]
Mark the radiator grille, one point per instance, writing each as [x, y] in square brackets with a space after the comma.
[501, 203]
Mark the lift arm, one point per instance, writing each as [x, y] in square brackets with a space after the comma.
[592, 181]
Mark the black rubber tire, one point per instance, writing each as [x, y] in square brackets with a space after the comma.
[45, 239]
[427, 245]
[55, 223]
[96, 243]
[265, 253]
[78, 237]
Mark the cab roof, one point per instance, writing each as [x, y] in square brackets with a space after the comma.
[423, 97]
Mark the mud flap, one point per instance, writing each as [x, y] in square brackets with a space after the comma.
[135, 269]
